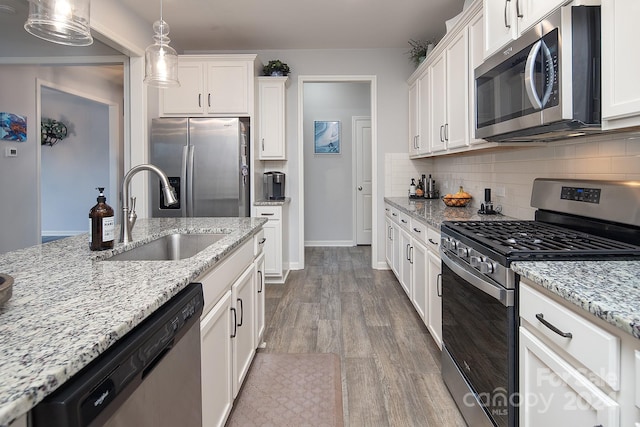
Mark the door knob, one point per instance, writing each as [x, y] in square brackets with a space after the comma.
[360, 188]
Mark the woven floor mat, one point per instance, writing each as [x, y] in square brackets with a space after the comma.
[286, 389]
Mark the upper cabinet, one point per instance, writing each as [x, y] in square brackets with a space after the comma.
[620, 64]
[211, 85]
[419, 115]
[505, 20]
[271, 118]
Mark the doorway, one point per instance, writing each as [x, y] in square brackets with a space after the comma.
[72, 168]
[328, 182]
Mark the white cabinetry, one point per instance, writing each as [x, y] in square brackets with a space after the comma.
[433, 319]
[274, 269]
[217, 363]
[419, 115]
[405, 262]
[244, 347]
[452, 77]
[271, 118]
[505, 20]
[211, 85]
[388, 247]
[414, 112]
[620, 63]
[260, 301]
[476, 57]
[574, 368]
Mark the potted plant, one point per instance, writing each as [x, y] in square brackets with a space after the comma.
[419, 50]
[52, 131]
[276, 68]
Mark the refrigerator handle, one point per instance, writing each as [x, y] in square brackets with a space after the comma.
[183, 181]
[190, 172]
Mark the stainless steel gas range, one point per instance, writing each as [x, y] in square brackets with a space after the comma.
[575, 220]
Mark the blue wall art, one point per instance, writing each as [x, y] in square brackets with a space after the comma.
[13, 127]
[326, 137]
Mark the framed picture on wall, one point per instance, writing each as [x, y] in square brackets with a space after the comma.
[13, 127]
[326, 137]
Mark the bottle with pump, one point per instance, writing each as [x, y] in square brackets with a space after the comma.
[101, 224]
[412, 188]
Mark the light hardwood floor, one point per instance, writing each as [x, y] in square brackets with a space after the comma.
[390, 363]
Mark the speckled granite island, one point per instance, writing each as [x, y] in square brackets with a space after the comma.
[69, 306]
[609, 290]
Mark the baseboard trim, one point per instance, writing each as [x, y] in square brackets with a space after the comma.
[324, 243]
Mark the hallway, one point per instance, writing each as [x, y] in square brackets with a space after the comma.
[390, 363]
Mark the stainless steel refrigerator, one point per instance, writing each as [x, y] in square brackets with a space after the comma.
[207, 162]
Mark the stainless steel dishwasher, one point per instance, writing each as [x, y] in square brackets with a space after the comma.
[151, 377]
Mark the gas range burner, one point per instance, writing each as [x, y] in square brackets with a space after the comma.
[535, 239]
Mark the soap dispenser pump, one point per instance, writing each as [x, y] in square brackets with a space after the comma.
[101, 224]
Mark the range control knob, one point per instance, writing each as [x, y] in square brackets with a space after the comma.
[463, 252]
[475, 261]
[487, 267]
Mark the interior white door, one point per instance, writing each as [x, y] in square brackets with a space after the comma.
[364, 219]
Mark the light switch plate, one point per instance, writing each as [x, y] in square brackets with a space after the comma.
[11, 152]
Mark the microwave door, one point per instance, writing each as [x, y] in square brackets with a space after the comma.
[539, 73]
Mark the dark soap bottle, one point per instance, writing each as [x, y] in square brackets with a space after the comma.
[101, 224]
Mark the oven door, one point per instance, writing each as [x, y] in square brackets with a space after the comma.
[479, 345]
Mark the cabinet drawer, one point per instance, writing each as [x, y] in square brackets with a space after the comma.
[418, 230]
[271, 212]
[387, 210]
[592, 346]
[433, 240]
[395, 215]
[404, 220]
[258, 243]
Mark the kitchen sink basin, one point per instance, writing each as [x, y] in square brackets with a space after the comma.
[169, 248]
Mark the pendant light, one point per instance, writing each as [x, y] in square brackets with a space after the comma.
[60, 21]
[160, 59]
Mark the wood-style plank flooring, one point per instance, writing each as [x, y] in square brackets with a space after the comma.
[390, 363]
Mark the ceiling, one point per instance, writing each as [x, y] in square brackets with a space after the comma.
[202, 25]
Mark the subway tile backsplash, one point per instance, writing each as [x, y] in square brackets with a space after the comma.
[510, 171]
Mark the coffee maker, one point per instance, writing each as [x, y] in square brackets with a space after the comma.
[273, 183]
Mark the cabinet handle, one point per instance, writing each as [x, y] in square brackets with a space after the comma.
[404, 221]
[235, 323]
[518, 12]
[394, 214]
[506, 9]
[390, 233]
[262, 144]
[407, 252]
[441, 132]
[386, 209]
[416, 230]
[241, 311]
[439, 285]
[540, 317]
[209, 99]
[267, 214]
[261, 242]
[199, 100]
[411, 255]
[260, 289]
[446, 131]
[432, 242]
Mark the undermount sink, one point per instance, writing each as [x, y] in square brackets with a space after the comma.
[171, 247]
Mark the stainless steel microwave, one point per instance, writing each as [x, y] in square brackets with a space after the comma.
[546, 84]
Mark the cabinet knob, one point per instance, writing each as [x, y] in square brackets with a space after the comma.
[360, 188]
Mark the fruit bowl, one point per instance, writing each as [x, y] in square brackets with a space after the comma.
[457, 202]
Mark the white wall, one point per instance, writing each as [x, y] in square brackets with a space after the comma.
[328, 204]
[19, 216]
[72, 168]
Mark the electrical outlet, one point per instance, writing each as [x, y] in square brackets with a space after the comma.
[499, 191]
[11, 152]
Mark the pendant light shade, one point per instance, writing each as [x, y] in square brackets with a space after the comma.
[160, 59]
[60, 21]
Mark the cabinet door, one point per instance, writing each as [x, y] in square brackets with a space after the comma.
[552, 392]
[388, 249]
[424, 119]
[476, 40]
[414, 118]
[216, 363]
[419, 278]
[273, 247]
[434, 298]
[457, 65]
[272, 112]
[500, 24]
[405, 263]
[530, 12]
[397, 250]
[188, 97]
[620, 63]
[244, 348]
[438, 103]
[260, 294]
[228, 87]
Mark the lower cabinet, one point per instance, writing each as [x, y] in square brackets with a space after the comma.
[231, 326]
[419, 278]
[405, 261]
[275, 249]
[433, 318]
[217, 363]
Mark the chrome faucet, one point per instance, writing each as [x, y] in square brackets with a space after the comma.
[128, 213]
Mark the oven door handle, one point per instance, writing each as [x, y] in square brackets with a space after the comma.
[506, 297]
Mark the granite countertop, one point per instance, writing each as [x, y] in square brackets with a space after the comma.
[609, 290]
[69, 306]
